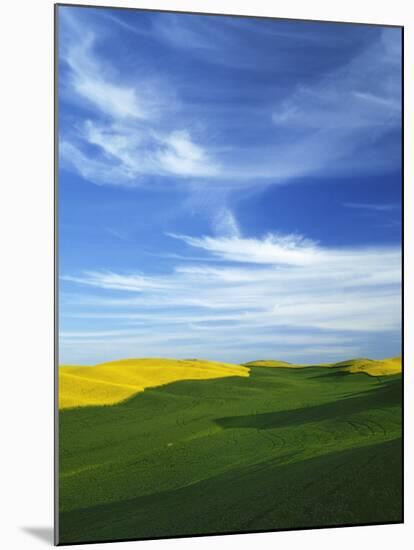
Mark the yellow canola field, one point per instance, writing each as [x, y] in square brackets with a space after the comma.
[379, 367]
[110, 383]
[373, 367]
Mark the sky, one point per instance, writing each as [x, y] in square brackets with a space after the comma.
[229, 188]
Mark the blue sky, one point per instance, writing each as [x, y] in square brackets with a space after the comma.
[229, 188]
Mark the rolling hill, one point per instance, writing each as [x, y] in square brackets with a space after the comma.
[113, 382]
[245, 450]
[373, 367]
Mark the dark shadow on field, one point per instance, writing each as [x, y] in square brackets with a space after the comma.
[382, 396]
[42, 533]
[337, 372]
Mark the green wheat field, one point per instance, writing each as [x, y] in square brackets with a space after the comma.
[161, 448]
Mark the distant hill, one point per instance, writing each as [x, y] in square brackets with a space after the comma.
[113, 382]
[270, 363]
[373, 367]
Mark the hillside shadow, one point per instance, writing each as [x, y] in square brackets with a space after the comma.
[380, 397]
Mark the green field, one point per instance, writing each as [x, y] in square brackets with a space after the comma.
[282, 448]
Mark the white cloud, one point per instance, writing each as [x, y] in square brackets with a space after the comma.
[392, 103]
[370, 206]
[273, 249]
[142, 129]
[237, 293]
[225, 224]
[108, 280]
[184, 157]
[109, 98]
[134, 131]
[263, 287]
[129, 153]
[89, 81]
[344, 115]
[365, 93]
[97, 170]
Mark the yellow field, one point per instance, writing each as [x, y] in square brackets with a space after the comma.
[373, 367]
[110, 383]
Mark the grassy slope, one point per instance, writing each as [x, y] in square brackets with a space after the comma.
[373, 367]
[113, 382]
[383, 367]
[278, 449]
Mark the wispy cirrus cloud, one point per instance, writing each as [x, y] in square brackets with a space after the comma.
[372, 207]
[131, 125]
[273, 249]
[88, 81]
[114, 281]
[225, 223]
[364, 93]
[212, 111]
[162, 127]
[271, 291]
